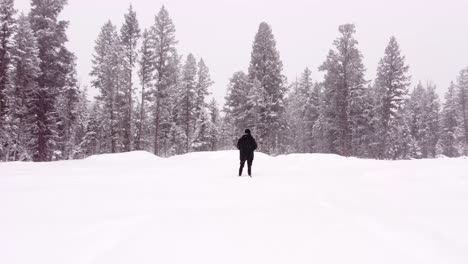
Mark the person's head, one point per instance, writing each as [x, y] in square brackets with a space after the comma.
[247, 131]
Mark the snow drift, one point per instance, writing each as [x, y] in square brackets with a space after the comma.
[137, 208]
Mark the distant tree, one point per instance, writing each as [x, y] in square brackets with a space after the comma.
[450, 124]
[203, 83]
[423, 117]
[215, 118]
[462, 87]
[302, 111]
[236, 99]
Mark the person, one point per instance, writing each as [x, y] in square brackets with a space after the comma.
[246, 146]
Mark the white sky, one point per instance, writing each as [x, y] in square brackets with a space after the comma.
[433, 35]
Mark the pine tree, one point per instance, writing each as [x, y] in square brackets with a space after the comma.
[67, 108]
[25, 70]
[215, 118]
[462, 86]
[266, 68]
[81, 125]
[303, 110]
[432, 122]
[236, 100]
[92, 141]
[344, 94]
[203, 140]
[166, 58]
[450, 124]
[129, 35]
[106, 72]
[423, 117]
[56, 66]
[392, 85]
[7, 28]
[188, 99]
[203, 83]
[146, 65]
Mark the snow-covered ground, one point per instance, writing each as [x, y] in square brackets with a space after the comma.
[136, 208]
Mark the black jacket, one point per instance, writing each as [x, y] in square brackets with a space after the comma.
[246, 145]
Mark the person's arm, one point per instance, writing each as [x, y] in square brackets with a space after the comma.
[254, 144]
[237, 146]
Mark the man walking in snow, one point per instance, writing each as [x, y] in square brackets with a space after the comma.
[246, 146]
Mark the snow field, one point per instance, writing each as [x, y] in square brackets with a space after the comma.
[302, 208]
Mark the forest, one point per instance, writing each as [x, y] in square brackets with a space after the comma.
[152, 98]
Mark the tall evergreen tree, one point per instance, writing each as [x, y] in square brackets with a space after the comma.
[203, 83]
[188, 99]
[392, 85]
[235, 106]
[450, 124]
[163, 34]
[462, 85]
[423, 117]
[215, 118]
[266, 68]
[25, 70]
[146, 71]
[302, 113]
[129, 35]
[7, 28]
[56, 66]
[344, 93]
[106, 72]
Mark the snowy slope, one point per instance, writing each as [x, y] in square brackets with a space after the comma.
[137, 208]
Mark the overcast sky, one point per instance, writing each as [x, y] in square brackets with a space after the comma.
[433, 35]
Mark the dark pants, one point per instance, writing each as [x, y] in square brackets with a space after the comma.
[249, 166]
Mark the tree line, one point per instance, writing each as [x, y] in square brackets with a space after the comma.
[152, 98]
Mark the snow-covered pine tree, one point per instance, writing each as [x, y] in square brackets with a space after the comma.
[203, 83]
[450, 124]
[302, 111]
[7, 28]
[81, 125]
[94, 137]
[166, 59]
[266, 68]
[414, 115]
[67, 108]
[391, 87]
[204, 134]
[53, 78]
[129, 36]
[188, 100]
[25, 70]
[432, 122]
[146, 71]
[423, 120]
[235, 107]
[106, 73]
[312, 113]
[462, 87]
[215, 118]
[343, 94]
